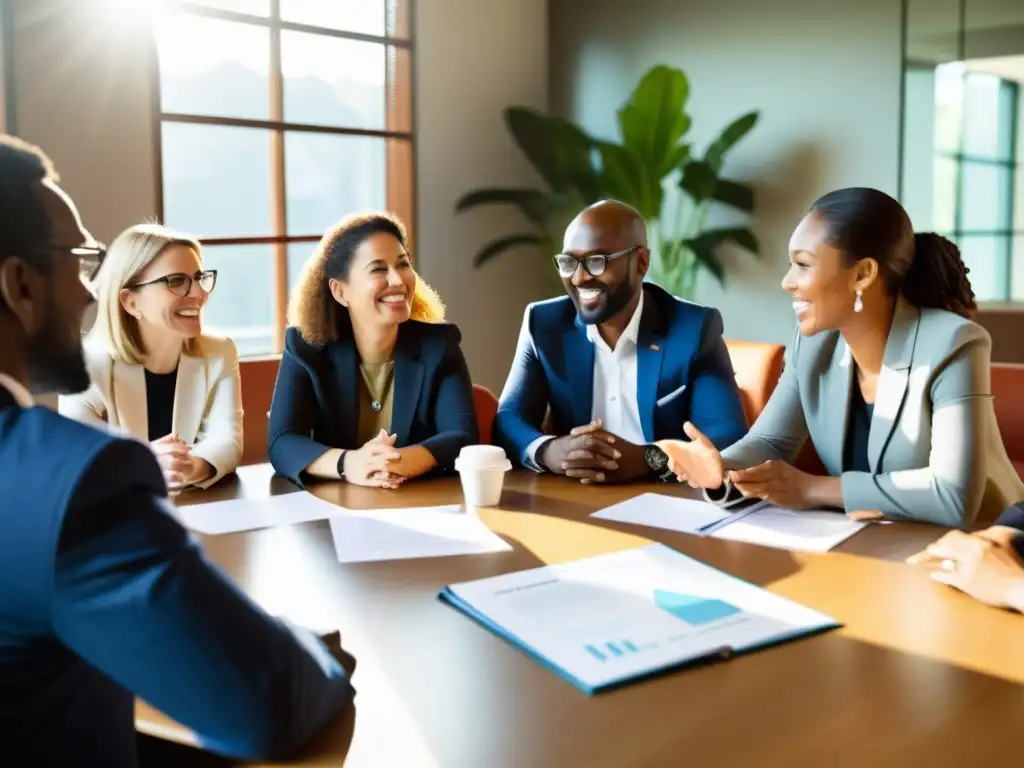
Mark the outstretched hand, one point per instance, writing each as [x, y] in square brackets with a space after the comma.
[697, 462]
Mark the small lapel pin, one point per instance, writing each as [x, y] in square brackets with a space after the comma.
[655, 347]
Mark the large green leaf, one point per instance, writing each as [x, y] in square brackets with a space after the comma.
[733, 132]
[496, 247]
[559, 150]
[739, 196]
[652, 120]
[705, 247]
[624, 178]
[537, 206]
[699, 180]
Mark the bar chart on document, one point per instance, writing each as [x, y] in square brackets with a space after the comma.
[613, 617]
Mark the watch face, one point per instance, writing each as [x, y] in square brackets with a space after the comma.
[656, 458]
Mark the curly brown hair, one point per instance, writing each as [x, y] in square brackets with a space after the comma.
[312, 309]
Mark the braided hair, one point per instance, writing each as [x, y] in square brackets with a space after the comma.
[926, 267]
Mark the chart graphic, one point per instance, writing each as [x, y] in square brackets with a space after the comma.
[614, 649]
[693, 610]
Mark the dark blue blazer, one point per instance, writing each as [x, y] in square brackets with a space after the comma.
[1014, 518]
[316, 397]
[104, 597]
[683, 373]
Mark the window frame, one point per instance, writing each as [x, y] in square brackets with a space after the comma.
[400, 155]
[1013, 163]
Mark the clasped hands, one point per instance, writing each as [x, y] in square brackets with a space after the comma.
[179, 466]
[378, 464]
[591, 454]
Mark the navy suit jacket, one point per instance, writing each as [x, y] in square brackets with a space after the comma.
[316, 398]
[1014, 518]
[683, 373]
[104, 597]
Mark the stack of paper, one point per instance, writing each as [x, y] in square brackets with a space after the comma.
[237, 515]
[359, 535]
[806, 530]
[401, 534]
[761, 523]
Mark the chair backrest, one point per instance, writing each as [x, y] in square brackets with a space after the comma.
[758, 366]
[1008, 391]
[258, 378]
[486, 410]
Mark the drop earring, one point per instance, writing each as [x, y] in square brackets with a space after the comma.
[858, 303]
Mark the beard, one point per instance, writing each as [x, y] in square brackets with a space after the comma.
[614, 300]
[56, 364]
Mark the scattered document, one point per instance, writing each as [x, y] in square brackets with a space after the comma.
[669, 512]
[610, 619]
[236, 515]
[759, 523]
[400, 534]
[806, 530]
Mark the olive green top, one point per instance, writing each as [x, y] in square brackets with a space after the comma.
[377, 387]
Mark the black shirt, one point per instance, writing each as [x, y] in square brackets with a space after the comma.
[858, 426]
[160, 402]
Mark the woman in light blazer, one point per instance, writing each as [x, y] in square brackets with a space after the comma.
[154, 374]
[886, 375]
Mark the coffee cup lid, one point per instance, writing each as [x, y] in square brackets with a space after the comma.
[482, 457]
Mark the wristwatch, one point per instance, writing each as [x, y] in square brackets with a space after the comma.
[657, 461]
[341, 464]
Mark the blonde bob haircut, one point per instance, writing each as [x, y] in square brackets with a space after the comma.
[130, 253]
[312, 309]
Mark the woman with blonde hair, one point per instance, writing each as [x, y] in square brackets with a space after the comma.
[154, 374]
[373, 387]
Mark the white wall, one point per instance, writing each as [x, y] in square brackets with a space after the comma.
[826, 77]
[83, 93]
[474, 58]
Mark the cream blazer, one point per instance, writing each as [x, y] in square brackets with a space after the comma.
[934, 447]
[207, 401]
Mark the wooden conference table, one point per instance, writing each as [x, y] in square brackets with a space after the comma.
[918, 676]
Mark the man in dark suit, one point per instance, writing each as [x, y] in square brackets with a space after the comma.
[619, 363]
[103, 596]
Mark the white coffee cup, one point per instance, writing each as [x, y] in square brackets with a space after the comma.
[482, 469]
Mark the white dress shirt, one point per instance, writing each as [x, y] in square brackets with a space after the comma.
[20, 394]
[615, 385]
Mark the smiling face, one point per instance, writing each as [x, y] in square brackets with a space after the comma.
[824, 288]
[380, 283]
[605, 230]
[157, 309]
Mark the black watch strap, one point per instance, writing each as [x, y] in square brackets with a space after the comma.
[657, 461]
[341, 463]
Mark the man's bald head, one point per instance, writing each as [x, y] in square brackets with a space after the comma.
[612, 225]
[615, 230]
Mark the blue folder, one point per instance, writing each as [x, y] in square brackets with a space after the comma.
[692, 610]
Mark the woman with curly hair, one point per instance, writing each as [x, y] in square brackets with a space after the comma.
[373, 387]
[887, 375]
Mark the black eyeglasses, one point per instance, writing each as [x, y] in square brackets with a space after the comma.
[90, 257]
[594, 265]
[180, 284]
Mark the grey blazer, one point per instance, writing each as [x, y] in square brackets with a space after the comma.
[934, 446]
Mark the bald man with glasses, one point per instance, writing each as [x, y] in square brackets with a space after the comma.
[618, 363]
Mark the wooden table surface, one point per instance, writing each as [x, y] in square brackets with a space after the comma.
[918, 676]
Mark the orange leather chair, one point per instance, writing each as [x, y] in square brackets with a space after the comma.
[1008, 391]
[486, 410]
[758, 366]
[258, 377]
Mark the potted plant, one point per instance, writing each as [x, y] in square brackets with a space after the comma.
[651, 155]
